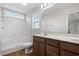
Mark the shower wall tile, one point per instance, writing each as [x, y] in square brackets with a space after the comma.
[14, 32]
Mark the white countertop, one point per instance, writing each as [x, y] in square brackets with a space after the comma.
[74, 38]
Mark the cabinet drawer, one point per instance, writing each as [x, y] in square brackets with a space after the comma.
[34, 38]
[50, 50]
[40, 39]
[70, 47]
[52, 42]
[65, 53]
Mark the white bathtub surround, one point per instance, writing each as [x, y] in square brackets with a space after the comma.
[27, 44]
[74, 38]
[14, 34]
[10, 50]
[15, 47]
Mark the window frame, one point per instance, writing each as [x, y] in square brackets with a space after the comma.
[15, 12]
[39, 21]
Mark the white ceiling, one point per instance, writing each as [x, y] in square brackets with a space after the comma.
[19, 7]
[25, 9]
[60, 6]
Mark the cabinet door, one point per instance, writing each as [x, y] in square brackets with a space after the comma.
[35, 48]
[41, 49]
[51, 51]
[52, 42]
[71, 47]
[65, 53]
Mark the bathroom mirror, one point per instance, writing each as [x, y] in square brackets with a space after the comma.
[73, 23]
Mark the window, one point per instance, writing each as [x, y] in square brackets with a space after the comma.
[0, 12]
[36, 22]
[13, 14]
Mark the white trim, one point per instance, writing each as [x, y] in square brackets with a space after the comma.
[12, 10]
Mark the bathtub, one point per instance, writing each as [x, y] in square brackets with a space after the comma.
[14, 48]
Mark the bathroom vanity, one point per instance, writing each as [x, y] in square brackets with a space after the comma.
[38, 46]
[54, 45]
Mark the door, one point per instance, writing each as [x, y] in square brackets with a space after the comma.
[41, 49]
[35, 48]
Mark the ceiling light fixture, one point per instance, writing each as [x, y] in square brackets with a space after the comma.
[47, 6]
[24, 4]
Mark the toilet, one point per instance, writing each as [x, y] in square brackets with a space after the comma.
[28, 47]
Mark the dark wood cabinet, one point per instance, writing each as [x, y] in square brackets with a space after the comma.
[53, 47]
[41, 49]
[35, 47]
[52, 42]
[69, 49]
[67, 53]
[38, 46]
[51, 51]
